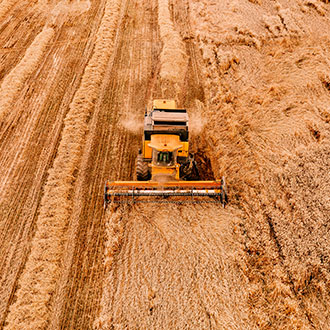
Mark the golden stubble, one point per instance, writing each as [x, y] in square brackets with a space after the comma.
[38, 280]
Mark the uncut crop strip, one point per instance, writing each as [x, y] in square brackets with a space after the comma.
[173, 57]
[39, 278]
[260, 137]
[14, 81]
[114, 235]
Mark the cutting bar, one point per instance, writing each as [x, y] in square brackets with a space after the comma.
[115, 191]
[165, 193]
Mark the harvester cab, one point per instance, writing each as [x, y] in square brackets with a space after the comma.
[164, 157]
[164, 165]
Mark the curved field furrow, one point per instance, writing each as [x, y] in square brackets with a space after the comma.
[16, 34]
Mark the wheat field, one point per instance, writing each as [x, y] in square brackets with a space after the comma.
[75, 78]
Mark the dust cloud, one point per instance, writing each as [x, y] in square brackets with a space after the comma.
[132, 124]
[58, 13]
[66, 10]
[72, 7]
[197, 122]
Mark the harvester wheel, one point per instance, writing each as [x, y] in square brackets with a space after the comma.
[142, 169]
[106, 199]
[224, 195]
[189, 169]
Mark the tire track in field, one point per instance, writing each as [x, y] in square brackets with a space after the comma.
[44, 262]
[20, 198]
[14, 81]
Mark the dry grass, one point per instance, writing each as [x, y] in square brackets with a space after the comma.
[210, 268]
[266, 104]
[5, 6]
[263, 119]
[177, 267]
[38, 281]
[316, 5]
[304, 193]
[14, 81]
[114, 237]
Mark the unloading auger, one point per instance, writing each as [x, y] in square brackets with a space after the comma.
[165, 170]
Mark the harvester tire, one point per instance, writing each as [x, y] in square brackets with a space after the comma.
[142, 169]
[189, 169]
[224, 195]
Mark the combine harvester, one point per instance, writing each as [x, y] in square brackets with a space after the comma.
[164, 166]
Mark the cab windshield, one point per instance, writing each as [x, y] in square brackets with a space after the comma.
[163, 158]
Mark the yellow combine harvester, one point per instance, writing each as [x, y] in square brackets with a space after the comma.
[164, 166]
